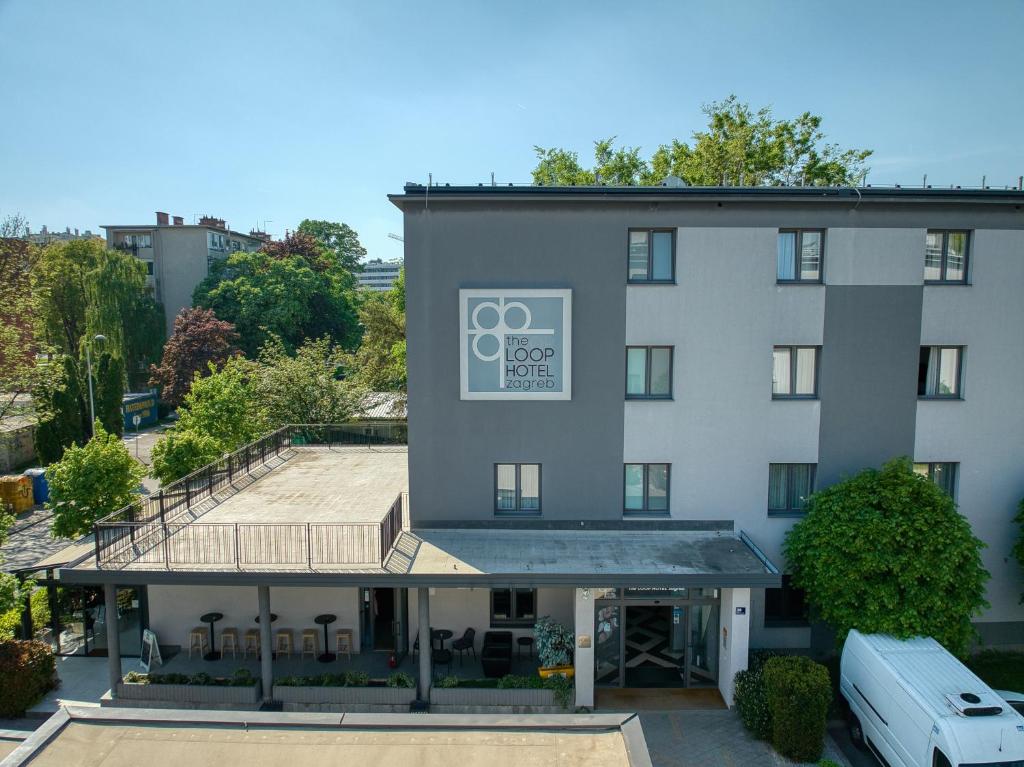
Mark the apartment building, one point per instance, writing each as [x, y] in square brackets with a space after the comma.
[178, 255]
[379, 275]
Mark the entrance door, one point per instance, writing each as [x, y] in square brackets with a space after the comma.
[703, 651]
[607, 647]
[655, 639]
[383, 606]
[401, 624]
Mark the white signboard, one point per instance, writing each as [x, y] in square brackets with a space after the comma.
[515, 343]
[150, 651]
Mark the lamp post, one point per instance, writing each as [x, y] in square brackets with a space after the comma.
[92, 405]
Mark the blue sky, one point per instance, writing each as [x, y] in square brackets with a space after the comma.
[258, 110]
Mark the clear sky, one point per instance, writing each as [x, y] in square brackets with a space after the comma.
[258, 110]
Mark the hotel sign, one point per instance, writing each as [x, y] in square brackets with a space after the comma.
[515, 343]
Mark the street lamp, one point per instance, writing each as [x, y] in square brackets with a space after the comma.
[92, 405]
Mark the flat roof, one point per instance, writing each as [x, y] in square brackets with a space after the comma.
[79, 737]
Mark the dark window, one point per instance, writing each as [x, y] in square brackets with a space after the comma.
[939, 372]
[646, 488]
[789, 486]
[945, 256]
[795, 372]
[942, 474]
[149, 267]
[800, 255]
[648, 372]
[785, 606]
[513, 607]
[939, 759]
[652, 255]
[517, 488]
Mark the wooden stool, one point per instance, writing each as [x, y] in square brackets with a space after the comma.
[252, 642]
[229, 641]
[309, 642]
[198, 639]
[283, 644]
[343, 642]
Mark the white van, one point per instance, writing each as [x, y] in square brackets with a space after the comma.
[913, 703]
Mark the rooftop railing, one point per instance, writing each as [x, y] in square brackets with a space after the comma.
[162, 528]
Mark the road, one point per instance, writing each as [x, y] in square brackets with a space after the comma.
[141, 447]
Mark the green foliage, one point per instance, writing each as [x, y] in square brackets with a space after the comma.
[27, 672]
[179, 453]
[12, 593]
[401, 679]
[342, 679]
[379, 363]
[340, 239]
[65, 422]
[10, 620]
[1018, 547]
[751, 698]
[799, 692]
[1000, 669]
[561, 685]
[144, 334]
[447, 682]
[108, 392]
[90, 482]
[738, 147]
[225, 406]
[241, 677]
[555, 643]
[886, 551]
[199, 340]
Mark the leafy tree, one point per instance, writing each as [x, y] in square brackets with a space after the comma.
[886, 551]
[379, 363]
[65, 414]
[109, 392]
[90, 482]
[738, 147]
[179, 453]
[1018, 547]
[199, 339]
[12, 594]
[340, 239]
[143, 339]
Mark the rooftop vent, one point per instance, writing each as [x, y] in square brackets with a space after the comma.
[975, 704]
[673, 182]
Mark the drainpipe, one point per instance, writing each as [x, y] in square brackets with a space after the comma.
[266, 645]
[426, 645]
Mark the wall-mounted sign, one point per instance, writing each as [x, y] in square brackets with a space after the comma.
[515, 343]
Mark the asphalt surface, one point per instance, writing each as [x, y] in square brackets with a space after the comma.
[140, 445]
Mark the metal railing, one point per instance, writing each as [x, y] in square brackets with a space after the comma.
[161, 528]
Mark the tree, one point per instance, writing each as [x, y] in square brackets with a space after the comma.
[12, 594]
[144, 335]
[340, 239]
[886, 551]
[379, 363]
[109, 393]
[739, 147]
[180, 453]
[199, 340]
[1018, 547]
[65, 416]
[90, 482]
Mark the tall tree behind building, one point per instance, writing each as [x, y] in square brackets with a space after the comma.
[198, 340]
[340, 239]
[379, 363]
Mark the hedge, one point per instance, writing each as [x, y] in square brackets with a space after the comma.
[750, 697]
[798, 692]
[27, 672]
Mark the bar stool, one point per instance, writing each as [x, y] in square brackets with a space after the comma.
[343, 642]
[283, 639]
[198, 639]
[309, 643]
[229, 641]
[252, 643]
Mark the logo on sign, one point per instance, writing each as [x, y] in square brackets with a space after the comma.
[515, 344]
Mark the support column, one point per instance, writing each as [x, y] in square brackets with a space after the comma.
[266, 644]
[734, 639]
[27, 629]
[426, 646]
[583, 656]
[113, 636]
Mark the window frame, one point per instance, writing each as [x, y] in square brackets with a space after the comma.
[790, 510]
[953, 468]
[944, 256]
[649, 280]
[785, 622]
[518, 511]
[647, 373]
[959, 393]
[512, 621]
[820, 280]
[646, 510]
[793, 348]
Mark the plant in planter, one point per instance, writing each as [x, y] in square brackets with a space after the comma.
[401, 679]
[554, 647]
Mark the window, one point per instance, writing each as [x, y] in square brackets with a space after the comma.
[942, 474]
[646, 488]
[938, 372]
[795, 372]
[652, 255]
[800, 255]
[789, 485]
[517, 488]
[648, 372]
[217, 241]
[785, 607]
[149, 267]
[945, 256]
[138, 240]
[939, 759]
[514, 607]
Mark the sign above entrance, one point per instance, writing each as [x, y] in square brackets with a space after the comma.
[515, 344]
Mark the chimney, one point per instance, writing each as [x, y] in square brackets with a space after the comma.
[179, 221]
[161, 219]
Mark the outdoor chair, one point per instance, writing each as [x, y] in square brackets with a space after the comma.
[283, 642]
[252, 643]
[465, 643]
[496, 655]
[309, 643]
[442, 658]
[343, 643]
[199, 640]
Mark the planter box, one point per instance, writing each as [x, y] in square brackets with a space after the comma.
[189, 695]
[364, 699]
[487, 697]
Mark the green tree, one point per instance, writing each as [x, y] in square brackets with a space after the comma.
[739, 146]
[886, 551]
[179, 453]
[65, 415]
[144, 337]
[90, 482]
[1018, 547]
[108, 393]
[12, 594]
[379, 363]
[340, 239]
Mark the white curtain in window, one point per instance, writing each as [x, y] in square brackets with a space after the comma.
[636, 371]
[805, 371]
[780, 371]
[778, 488]
[634, 486]
[948, 359]
[786, 260]
[529, 487]
[506, 481]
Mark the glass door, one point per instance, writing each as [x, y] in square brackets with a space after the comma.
[401, 624]
[703, 649]
[608, 645]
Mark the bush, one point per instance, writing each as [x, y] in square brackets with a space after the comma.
[1001, 669]
[750, 698]
[555, 643]
[448, 682]
[343, 679]
[240, 678]
[27, 672]
[401, 679]
[798, 692]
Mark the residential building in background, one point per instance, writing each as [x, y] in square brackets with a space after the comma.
[44, 236]
[178, 255]
[379, 275]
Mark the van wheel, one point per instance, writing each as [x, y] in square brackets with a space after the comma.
[857, 733]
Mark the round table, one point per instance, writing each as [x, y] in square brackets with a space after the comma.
[273, 617]
[211, 618]
[440, 636]
[325, 620]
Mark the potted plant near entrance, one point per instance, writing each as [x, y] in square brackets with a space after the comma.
[554, 648]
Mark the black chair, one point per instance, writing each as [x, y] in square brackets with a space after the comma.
[465, 643]
[442, 658]
[496, 656]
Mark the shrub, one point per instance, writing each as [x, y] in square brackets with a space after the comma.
[554, 643]
[798, 692]
[448, 682]
[401, 679]
[27, 672]
[357, 679]
[242, 678]
[1001, 669]
[750, 698]
[561, 685]
[136, 677]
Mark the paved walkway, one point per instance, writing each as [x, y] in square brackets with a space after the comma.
[83, 681]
